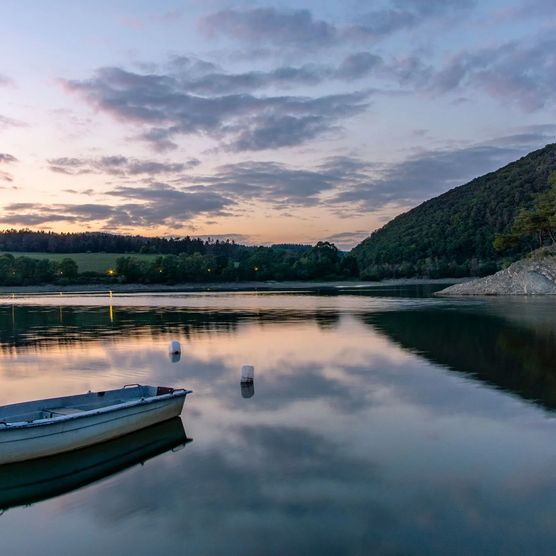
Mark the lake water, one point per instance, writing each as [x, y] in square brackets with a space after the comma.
[386, 422]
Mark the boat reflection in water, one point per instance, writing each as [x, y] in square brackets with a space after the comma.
[32, 481]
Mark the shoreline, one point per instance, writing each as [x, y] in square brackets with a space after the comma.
[531, 276]
[222, 287]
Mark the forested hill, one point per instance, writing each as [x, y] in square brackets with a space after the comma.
[453, 234]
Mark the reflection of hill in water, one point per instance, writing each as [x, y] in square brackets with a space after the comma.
[518, 358]
[38, 326]
[36, 480]
[512, 347]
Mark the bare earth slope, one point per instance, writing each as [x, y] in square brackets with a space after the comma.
[531, 276]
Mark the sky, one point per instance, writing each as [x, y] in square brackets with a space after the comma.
[263, 122]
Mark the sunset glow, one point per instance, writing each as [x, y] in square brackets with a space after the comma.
[262, 122]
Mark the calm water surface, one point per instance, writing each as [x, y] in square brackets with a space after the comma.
[391, 423]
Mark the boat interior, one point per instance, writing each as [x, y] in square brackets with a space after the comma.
[28, 412]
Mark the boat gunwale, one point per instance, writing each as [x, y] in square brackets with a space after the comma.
[19, 425]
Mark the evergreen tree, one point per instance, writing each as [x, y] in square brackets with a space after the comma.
[538, 222]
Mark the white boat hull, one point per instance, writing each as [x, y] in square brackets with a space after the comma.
[45, 437]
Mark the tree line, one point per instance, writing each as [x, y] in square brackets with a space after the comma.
[100, 242]
[320, 262]
[26, 271]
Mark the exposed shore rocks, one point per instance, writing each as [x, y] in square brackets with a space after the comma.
[532, 276]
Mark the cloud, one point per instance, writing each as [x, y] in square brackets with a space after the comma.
[275, 131]
[190, 66]
[521, 73]
[347, 185]
[358, 64]
[228, 187]
[399, 15]
[204, 78]
[6, 122]
[163, 203]
[219, 82]
[431, 172]
[536, 8]
[526, 9]
[277, 183]
[270, 25]
[153, 205]
[117, 165]
[33, 214]
[140, 23]
[300, 29]
[6, 159]
[517, 72]
[242, 121]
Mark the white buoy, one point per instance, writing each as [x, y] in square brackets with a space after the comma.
[175, 348]
[247, 374]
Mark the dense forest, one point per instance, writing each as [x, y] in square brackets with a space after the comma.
[453, 234]
[320, 262]
[99, 242]
[26, 271]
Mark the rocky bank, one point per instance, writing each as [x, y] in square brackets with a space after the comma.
[535, 275]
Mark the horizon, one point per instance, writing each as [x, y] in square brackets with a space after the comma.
[267, 122]
[238, 238]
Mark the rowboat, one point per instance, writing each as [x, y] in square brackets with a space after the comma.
[29, 482]
[43, 428]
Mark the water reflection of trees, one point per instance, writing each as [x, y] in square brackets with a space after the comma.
[495, 348]
[500, 352]
[37, 327]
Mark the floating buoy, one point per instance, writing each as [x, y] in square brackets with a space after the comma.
[247, 374]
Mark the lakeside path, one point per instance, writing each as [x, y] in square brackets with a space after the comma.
[6, 292]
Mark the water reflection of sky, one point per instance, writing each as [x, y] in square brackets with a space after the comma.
[364, 435]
